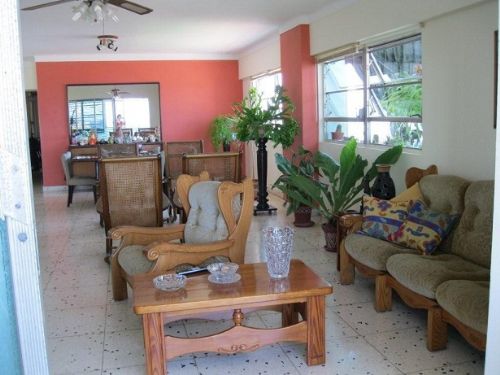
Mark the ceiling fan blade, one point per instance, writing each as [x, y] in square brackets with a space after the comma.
[49, 4]
[133, 7]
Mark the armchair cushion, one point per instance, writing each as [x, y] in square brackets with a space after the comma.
[423, 229]
[372, 252]
[133, 261]
[382, 218]
[205, 222]
[423, 274]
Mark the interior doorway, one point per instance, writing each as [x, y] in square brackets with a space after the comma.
[34, 131]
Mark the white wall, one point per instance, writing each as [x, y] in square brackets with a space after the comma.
[262, 58]
[29, 76]
[368, 18]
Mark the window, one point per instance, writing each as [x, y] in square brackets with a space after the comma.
[266, 84]
[375, 95]
[86, 114]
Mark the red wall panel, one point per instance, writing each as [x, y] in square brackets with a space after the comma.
[192, 93]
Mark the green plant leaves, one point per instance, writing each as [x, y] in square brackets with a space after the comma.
[275, 123]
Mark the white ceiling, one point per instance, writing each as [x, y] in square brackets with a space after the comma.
[191, 28]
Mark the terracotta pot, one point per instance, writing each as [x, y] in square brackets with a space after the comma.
[330, 236]
[303, 217]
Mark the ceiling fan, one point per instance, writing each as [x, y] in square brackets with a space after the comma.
[117, 93]
[125, 4]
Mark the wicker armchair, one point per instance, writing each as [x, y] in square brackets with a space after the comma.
[131, 193]
[215, 227]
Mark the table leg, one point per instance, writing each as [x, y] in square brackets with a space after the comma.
[289, 315]
[153, 343]
[315, 330]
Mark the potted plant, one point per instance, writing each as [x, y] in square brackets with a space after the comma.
[259, 124]
[221, 132]
[338, 134]
[304, 167]
[340, 185]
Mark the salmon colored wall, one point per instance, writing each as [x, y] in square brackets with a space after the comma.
[192, 93]
[298, 69]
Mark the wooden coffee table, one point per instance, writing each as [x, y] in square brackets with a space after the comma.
[303, 291]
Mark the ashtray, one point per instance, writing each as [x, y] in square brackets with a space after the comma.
[223, 273]
[169, 282]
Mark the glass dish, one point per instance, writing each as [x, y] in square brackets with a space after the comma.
[223, 273]
[235, 277]
[169, 282]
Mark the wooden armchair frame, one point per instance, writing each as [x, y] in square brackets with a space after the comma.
[167, 255]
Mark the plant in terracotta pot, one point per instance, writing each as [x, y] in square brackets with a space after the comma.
[259, 123]
[305, 167]
[338, 134]
[340, 185]
[222, 131]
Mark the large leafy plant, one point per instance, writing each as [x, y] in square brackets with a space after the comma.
[341, 181]
[275, 122]
[221, 131]
[290, 167]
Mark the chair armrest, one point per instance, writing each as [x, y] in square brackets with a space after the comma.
[168, 255]
[351, 223]
[135, 235]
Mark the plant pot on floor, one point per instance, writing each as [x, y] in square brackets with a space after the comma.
[330, 230]
[303, 217]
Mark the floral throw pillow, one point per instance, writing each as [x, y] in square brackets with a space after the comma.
[423, 229]
[382, 218]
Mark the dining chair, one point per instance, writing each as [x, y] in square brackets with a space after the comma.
[222, 166]
[73, 181]
[117, 150]
[131, 193]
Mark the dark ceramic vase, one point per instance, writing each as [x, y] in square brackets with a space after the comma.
[383, 186]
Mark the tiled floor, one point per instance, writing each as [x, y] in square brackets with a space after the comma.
[88, 333]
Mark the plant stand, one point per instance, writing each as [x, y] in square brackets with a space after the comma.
[262, 205]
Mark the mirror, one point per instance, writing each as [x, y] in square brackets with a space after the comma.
[135, 108]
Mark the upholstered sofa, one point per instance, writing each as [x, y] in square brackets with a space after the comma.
[452, 283]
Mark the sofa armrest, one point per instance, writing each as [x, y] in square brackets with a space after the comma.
[350, 223]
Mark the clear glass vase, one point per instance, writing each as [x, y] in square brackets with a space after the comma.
[278, 246]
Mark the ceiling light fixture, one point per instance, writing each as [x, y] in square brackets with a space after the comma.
[93, 11]
[106, 40]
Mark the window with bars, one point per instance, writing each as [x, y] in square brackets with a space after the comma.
[86, 114]
[375, 95]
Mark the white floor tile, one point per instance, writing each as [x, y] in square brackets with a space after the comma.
[406, 349]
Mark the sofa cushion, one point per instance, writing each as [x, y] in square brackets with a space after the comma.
[423, 229]
[133, 261]
[444, 193]
[472, 236]
[372, 252]
[423, 274]
[467, 301]
[382, 218]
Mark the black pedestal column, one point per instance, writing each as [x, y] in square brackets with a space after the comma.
[262, 205]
